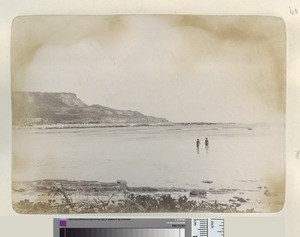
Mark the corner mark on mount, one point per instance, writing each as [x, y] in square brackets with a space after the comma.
[293, 11]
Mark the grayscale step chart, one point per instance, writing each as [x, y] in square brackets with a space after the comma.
[204, 227]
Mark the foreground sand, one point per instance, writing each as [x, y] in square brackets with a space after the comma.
[65, 196]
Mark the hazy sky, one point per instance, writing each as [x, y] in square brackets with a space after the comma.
[182, 68]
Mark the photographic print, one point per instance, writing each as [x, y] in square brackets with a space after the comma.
[148, 113]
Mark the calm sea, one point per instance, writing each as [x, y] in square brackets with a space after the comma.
[151, 156]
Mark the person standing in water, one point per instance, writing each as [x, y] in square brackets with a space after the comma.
[206, 145]
[197, 143]
[206, 142]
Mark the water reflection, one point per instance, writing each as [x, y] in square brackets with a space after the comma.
[206, 148]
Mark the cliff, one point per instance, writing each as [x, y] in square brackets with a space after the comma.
[45, 108]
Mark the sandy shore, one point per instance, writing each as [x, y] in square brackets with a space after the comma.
[65, 196]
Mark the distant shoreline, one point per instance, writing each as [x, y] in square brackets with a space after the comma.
[92, 125]
[102, 125]
[215, 126]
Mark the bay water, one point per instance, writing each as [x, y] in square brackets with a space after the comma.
[152, 156]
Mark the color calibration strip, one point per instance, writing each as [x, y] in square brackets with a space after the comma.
[122, 232]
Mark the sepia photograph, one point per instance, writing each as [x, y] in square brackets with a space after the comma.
[148, 113]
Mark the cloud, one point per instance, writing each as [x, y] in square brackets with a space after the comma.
[184, 68]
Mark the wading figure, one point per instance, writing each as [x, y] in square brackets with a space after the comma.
[206, 142]
[197, 143]
[206, 145]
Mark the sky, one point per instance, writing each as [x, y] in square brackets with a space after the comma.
[182, 68]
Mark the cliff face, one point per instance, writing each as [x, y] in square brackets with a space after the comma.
[32, 108]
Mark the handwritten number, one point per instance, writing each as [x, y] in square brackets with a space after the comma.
[293, 11]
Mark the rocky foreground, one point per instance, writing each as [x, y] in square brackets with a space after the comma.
[63, 196]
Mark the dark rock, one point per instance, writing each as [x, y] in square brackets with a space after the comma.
[122, 182]
[197, 192]
[241, 200]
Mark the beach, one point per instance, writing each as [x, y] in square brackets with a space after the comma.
[242, 169]
[63, 196]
